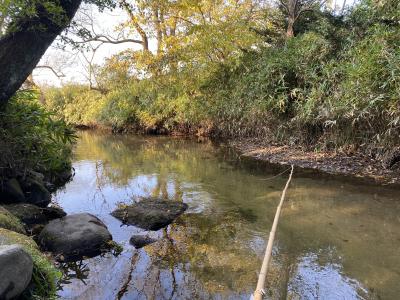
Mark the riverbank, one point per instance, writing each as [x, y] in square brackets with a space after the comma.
[357, 165]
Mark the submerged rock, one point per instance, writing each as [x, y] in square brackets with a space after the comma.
[61, 178]
[16, 268]
[31, 214]
[11, 192]
[75, 237]
[139, 241]
[150, 214]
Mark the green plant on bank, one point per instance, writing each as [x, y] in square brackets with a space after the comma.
[32, 138]
[115, 248]
[10, 222]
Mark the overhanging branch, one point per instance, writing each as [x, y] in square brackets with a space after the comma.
[108, 40]
[58, 74]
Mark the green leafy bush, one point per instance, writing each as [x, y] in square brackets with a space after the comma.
[76, 103]
[32, 138]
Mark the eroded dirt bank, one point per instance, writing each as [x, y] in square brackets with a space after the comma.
[357, 166]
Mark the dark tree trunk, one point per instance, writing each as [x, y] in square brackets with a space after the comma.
[26, 42]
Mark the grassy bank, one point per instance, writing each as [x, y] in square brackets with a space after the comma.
[334, 86]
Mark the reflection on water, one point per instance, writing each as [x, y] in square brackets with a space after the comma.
[336, 240]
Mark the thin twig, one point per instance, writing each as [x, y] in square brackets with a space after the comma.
[277, 175]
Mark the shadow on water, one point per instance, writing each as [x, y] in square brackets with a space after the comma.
[336, 239]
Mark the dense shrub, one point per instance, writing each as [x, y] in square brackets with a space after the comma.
[32, 138]
[77, 104]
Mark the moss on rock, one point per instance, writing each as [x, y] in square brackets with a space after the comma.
[10, 222]
[45, 275]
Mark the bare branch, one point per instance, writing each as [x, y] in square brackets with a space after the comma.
[108, 40]
[58, 74]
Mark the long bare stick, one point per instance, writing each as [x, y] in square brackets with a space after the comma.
[259, 292]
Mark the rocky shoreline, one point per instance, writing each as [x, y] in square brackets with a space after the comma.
[35, 235]
[356, 166]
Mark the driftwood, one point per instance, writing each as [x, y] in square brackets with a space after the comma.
[259, 292]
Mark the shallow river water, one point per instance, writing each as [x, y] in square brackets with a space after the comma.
[336, 239]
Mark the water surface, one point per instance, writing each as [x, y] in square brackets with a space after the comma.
[336, 239]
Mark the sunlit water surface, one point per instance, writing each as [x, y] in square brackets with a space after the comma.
[336, 239]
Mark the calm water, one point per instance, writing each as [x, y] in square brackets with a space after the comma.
[336, 240]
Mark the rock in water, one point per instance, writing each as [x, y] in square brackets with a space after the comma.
[75, 237]
[16, 268]
[139, 241]
[150, 214]
[36, 193]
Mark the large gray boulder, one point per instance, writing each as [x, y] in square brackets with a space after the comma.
[11, 192]
[16, 268]
[150, 214]
[75, 237]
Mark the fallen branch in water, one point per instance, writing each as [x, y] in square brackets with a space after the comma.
[259, 292]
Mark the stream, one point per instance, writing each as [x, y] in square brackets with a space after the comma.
[336, 239]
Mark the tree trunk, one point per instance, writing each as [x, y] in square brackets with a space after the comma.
[26, 42]
[290, 30]
[157, 24]
[135, 23]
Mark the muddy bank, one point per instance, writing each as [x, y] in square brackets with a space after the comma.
[356, 166]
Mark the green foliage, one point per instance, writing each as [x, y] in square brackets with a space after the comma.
[335, 83]
[79, 105]
[10, 10]
[149, 104]
[345, 95]
[32, 138]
